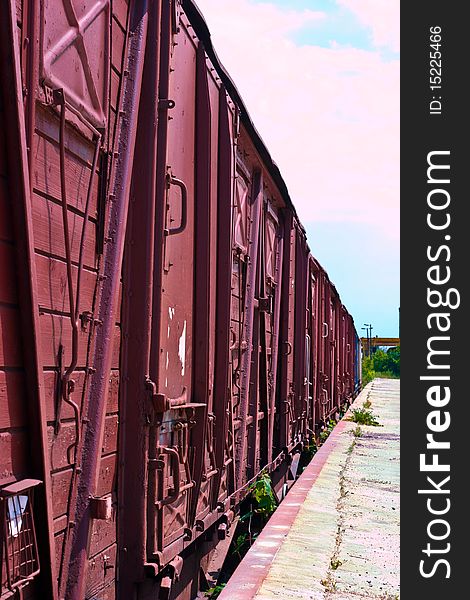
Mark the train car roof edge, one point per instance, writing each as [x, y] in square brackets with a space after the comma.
[202, 30]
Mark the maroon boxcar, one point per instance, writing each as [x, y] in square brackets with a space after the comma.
[165, 333]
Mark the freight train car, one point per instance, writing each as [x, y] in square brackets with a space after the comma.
[165, 333]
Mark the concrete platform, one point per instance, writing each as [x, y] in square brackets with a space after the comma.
[336, 535]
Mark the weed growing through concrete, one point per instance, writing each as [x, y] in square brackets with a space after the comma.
[327, 430]
[357, 431]
[335, 563]
[363, 417]
[329, 583]
[214, 592]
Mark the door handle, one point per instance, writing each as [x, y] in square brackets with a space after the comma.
[184, 204]
[175, 469]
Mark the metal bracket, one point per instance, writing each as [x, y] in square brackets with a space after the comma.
[174, 567]
[49, 94]
[85, 318]
[265, 304]
[101, 508]
[161, 402]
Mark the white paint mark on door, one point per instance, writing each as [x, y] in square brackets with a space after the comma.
[182, 349]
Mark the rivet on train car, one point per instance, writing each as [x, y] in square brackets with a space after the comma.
[199, 525]
[220, 507]
[126, 72]
[188, 534]
[106, 563]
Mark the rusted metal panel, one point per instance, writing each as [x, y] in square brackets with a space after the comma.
[60, 491]
[106, 474]
[102, 571]
[78, 146]
[182, 375]
[79, 377]
[136, 409]
[13, 132]
[117, 45]
[287, 382]
[92, 481]
[75, 47]
[301, 279]
[62, 442]
[8, 291]
[222, 406]
[14, 455]
[241, 214]
[120, 10]
[247, 341]
[77, 175]
[52, 285]
[103, 535]
[13, 409]
[176, 336]
[6, 231]
[10, 340]
[310, 348]
[205, 206]
[49, 232]
[56, 337]
[210, 480]
[277, 282]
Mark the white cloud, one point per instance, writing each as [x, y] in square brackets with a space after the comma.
[329, 116]
[383, 18]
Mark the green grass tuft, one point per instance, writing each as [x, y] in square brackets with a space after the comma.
[363, 417]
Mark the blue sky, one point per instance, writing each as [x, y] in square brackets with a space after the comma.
[340, 25]
[364, 271]
[320, 79]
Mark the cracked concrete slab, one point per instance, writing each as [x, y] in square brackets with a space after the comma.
[343, 543]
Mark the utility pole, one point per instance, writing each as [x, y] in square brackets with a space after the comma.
[368, 327]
